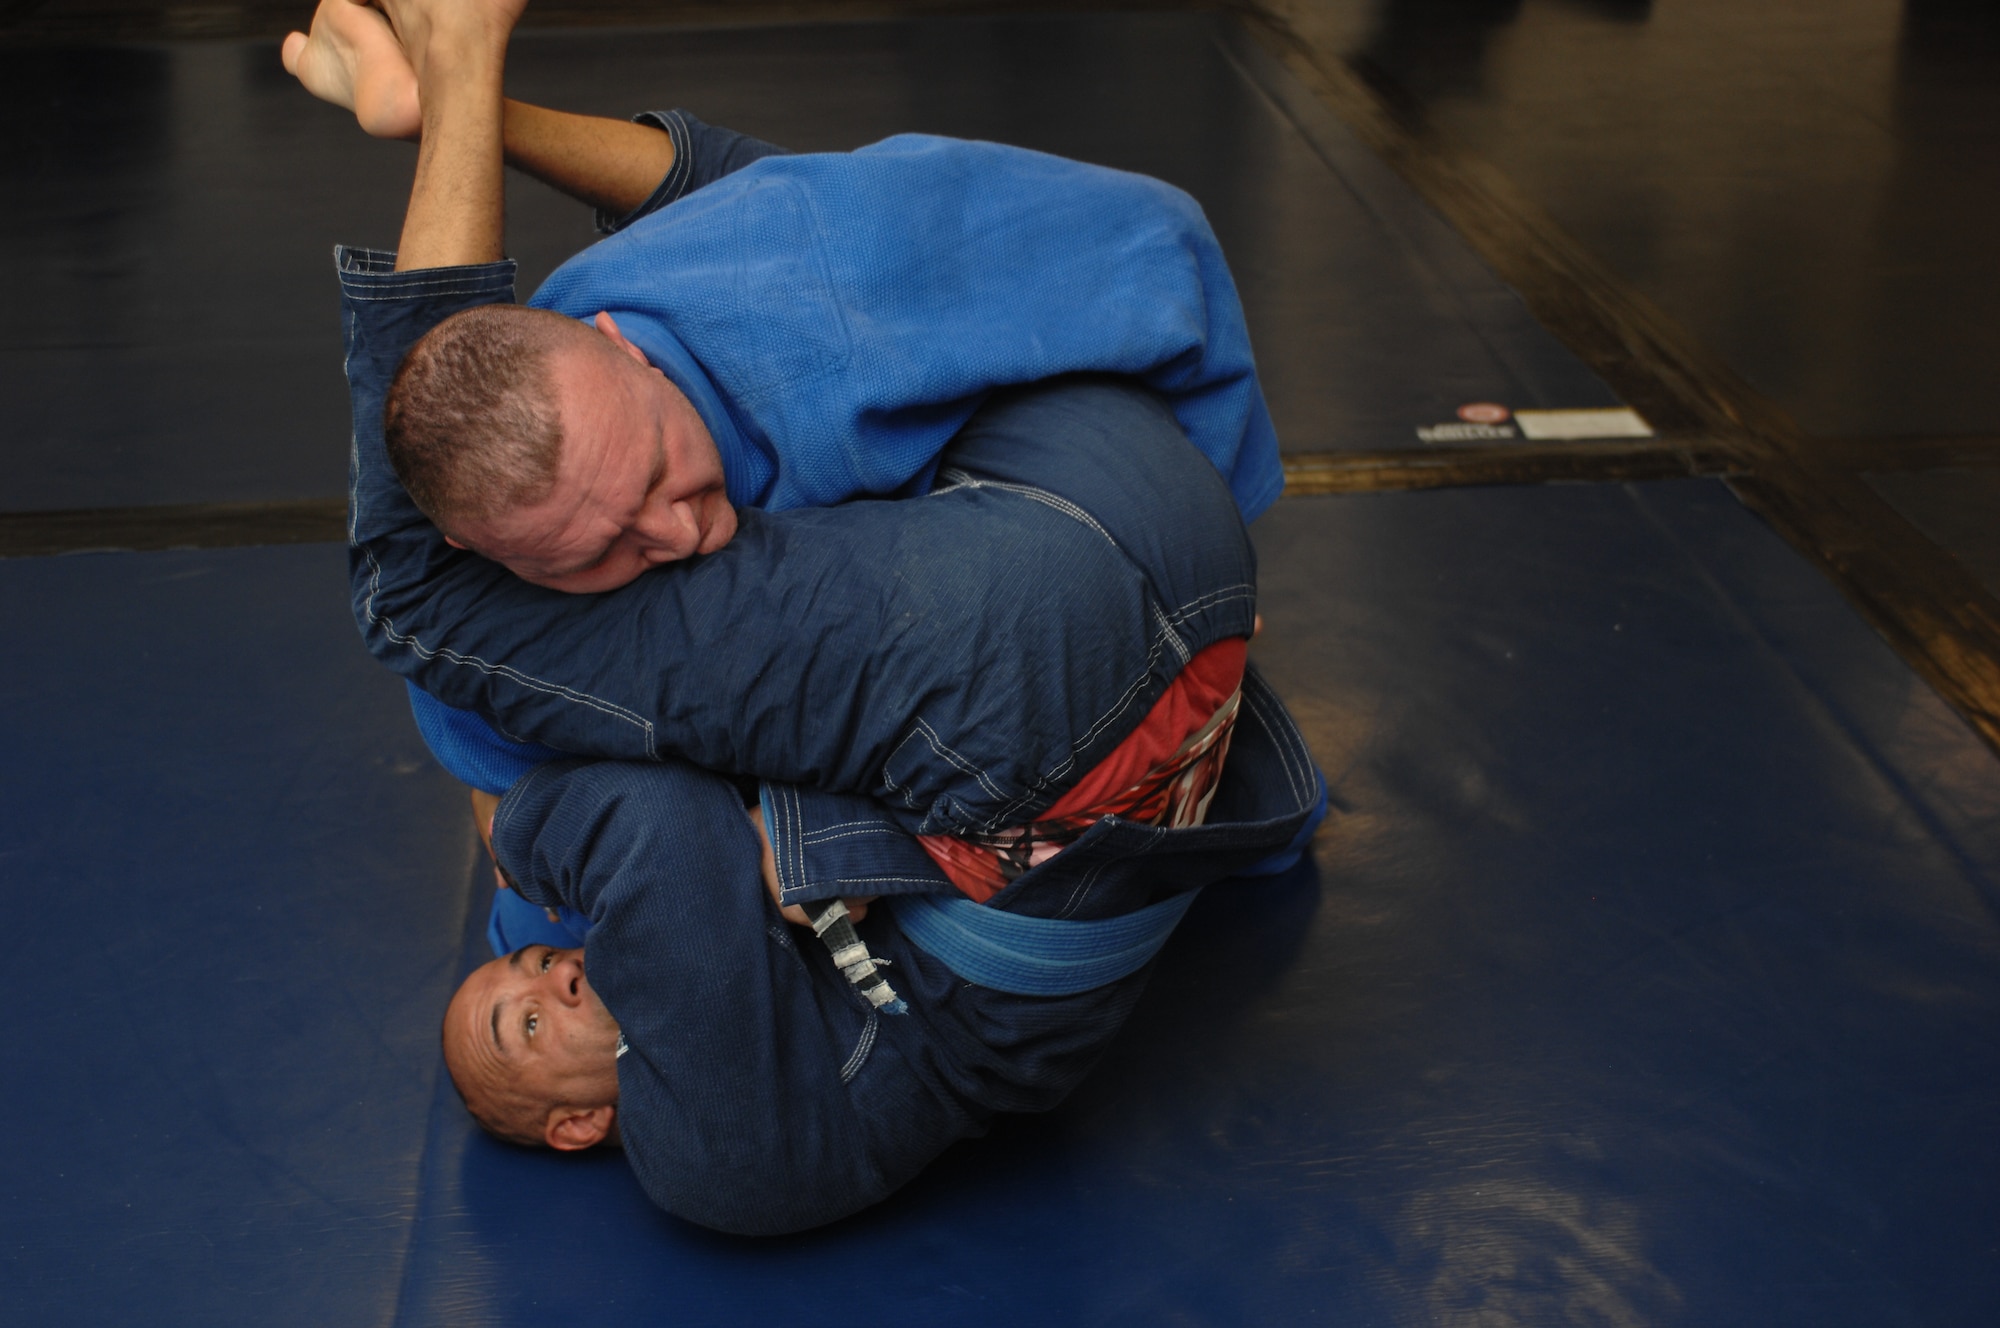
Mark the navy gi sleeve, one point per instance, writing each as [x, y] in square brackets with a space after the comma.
[383, 313]
[703, 154]
[733, 1105]
[842, 846]
[575, 832]
[588, 834]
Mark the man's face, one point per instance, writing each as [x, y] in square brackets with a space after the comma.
[638, 483]
[529, 1026]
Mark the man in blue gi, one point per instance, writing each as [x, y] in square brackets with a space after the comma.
[968, 656]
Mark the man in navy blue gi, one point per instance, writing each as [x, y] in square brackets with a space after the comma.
[960, 658]
[752, 1088]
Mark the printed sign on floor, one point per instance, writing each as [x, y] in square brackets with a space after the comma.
[1459, 431]
[1574, 424]
[1489, 421]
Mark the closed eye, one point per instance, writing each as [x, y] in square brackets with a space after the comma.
[581, 569]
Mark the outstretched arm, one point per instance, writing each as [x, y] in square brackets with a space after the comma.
[457, 209]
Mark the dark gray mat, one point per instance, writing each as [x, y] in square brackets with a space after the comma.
[172, 336]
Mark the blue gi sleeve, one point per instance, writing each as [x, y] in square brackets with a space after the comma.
[470, 748]
[703, 154]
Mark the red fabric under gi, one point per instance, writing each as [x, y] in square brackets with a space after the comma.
[1163, 773]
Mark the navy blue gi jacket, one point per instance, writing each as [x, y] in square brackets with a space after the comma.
[960, 658]
[760, 1093]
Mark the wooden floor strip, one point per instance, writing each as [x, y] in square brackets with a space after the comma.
[194, 526]
[1452, 467]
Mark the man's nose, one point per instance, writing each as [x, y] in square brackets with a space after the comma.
[669, 531]
[565, 978]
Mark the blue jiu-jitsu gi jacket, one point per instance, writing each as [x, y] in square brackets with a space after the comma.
[835, 317]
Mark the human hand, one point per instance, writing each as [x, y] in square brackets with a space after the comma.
[857, 909]
[484, 805]
[353, 60]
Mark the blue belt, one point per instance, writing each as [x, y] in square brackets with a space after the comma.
[1035, 956]
[1060, 957]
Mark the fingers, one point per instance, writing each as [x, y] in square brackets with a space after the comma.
[484, 805]
[857, 909]
[289, 53]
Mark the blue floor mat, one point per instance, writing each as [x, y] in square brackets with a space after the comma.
[238, 883]
[1646, 974]
[1646, 970]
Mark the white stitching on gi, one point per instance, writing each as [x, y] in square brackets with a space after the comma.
[597, 703]
[861, 1048]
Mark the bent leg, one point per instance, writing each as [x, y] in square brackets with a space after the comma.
[1115, 450]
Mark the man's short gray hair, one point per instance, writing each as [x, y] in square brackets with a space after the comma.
[470, 422]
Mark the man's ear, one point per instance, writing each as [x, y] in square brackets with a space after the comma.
[572, 1128]
[606, 324]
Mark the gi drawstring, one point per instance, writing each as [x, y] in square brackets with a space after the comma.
[833, 926]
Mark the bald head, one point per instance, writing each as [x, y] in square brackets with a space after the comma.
[533, 1051]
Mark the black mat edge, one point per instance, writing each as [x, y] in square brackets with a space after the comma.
[39, 22]
[1887, 455]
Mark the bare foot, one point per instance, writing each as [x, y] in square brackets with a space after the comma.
[353, 60]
